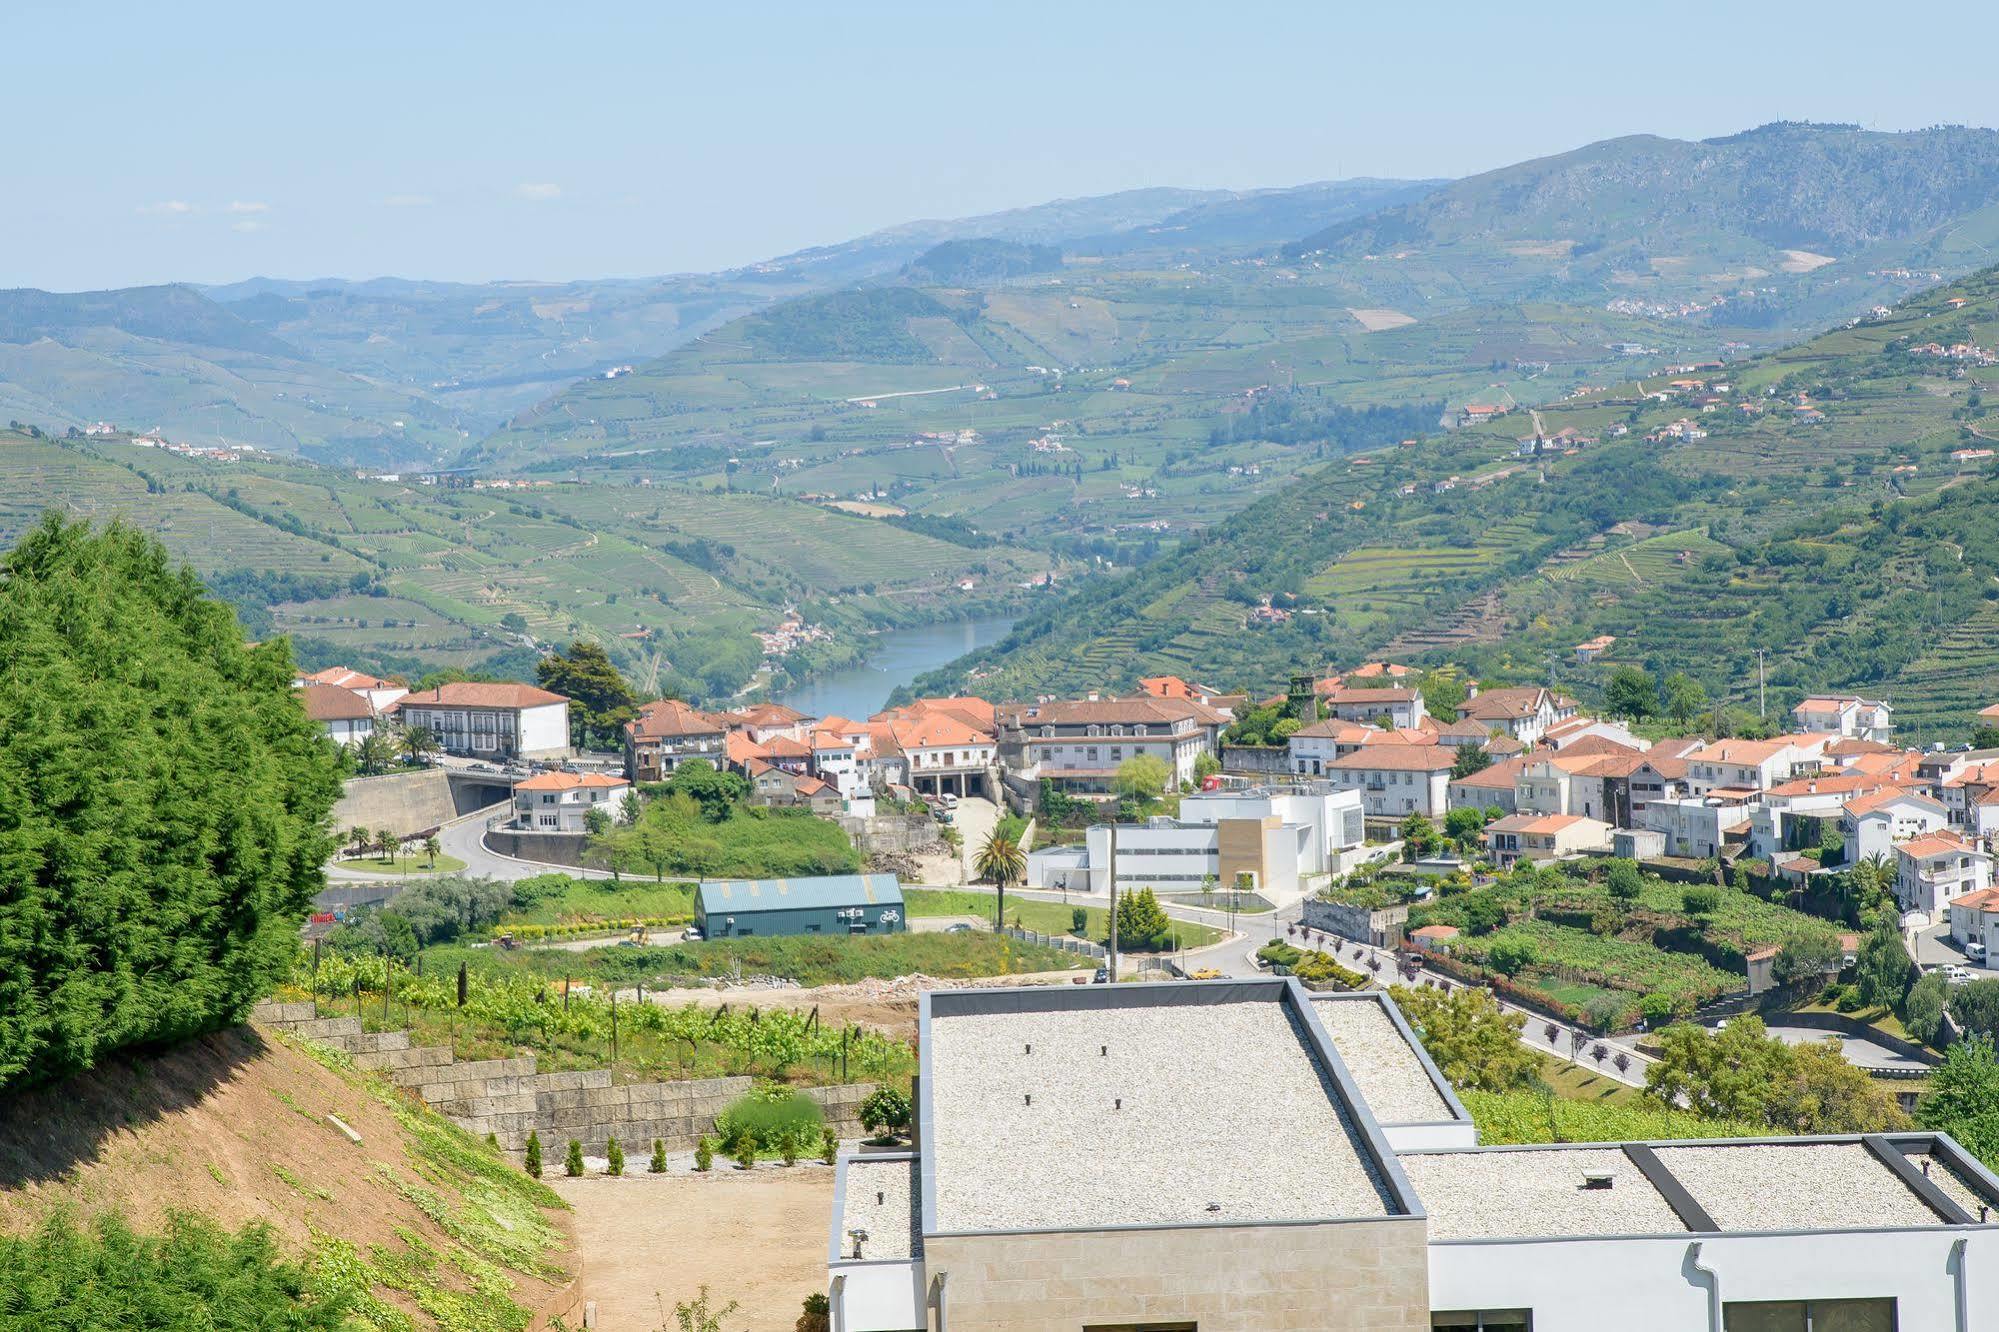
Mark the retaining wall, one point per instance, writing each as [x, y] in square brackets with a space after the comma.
[402, 802]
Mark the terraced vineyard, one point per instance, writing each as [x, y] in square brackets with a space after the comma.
[404, 578]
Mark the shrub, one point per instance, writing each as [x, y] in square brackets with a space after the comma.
[766, 1117]
[817, 1316]
[704, 1154]
[829, 1145]
[534, 1154]
[658, 1163]
[1079, 922]
[787, 1147]
[572, 1163]
[745, 1153]
[886, 1110]
[1656, 1008]
[614, 1158]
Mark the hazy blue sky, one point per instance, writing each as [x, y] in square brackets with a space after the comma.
[209, 141]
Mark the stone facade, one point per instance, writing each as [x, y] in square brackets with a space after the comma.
[1351, 1276]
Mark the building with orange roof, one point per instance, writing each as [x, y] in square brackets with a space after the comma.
[1525, 713]
[1079, 744]
[763, 721]
[667, 733]
[1544, 837]
[1491, 787]
[561, 801]
[1845, 715]
[482, 719]
[346, 715]
[1754, 765]
[942, 752]
[1937, 868]
[1396, 781]
[772, 785]
[1581, 730]
[1974, 919]
[1400, 706]
[1872, 824]
[381, 694]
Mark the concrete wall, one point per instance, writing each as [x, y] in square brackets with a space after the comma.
[553, 848]
[1382, 928]
[1652, 1284]
[403, 802]
[1353, 1276]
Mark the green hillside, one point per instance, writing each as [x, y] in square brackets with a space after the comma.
[1836, 533]
[407, 578]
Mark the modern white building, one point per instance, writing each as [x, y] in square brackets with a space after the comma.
[1363, 1202]
[346, 715]
[1277, 836]
[1846, 715]
[1701, 826]
[561, 801]
[485, 720]
[1871, 825]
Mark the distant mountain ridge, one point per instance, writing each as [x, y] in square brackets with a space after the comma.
[1836, 187]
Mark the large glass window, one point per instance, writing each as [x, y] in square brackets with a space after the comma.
[1810, 1316]
[1485, 1320]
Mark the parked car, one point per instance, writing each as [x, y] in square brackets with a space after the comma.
[950, 801]
[1974, 950]
[960, 928]
[692, 934]
[1956, 975]
[1205, 973]
[1101, 977]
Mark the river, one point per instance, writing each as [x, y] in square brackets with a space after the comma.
[899, 656]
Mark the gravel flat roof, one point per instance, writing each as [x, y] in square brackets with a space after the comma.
[880, 1197]
[1795, 1186]
[1536, 1193]
[1138, 1113]
[1391, 1077]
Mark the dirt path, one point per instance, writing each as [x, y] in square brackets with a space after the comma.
[758, 1238]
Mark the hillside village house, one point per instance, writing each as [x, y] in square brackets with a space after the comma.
[346, 715]
[1312, 748]
[1396, 781]
[1701, 826]
[1524, 713]
[1079, 746]
[1974, 918]
[944, 753]
[1544, 837]
[1793, 813]
[1753, 765]
[1402, 1223]
[1932, 869]
[1871, 825]
[765, 722]
[1971, 799]
[380, 693]
[666, 734]
[481, 720]
[784, 787]
[1845, 714]
[841, 750]
[561, 801]
[1491, 787]
[1403, 708]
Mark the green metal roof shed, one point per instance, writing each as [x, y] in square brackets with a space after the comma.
[820, 904]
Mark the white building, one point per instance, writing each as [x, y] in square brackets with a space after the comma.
[1080, 745]
[559, 801]
[1278, 837]
[1545, 837]
[1845, 715]
[1402, 1224]
[1937, 867]
[1974, 918]
[1700, 826]
[1396, 781]
[1401, 706]
[485, 720]
[346, 715]
[1753, 765]
[1524, 713]
[1871, 825]
[380, 693]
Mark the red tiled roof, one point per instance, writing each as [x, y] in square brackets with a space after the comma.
[325, 703]
[569, 781]
[671, 717]
[482, 694]
[1399, 758]
[1934, 844]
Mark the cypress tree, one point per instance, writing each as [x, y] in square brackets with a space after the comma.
[614, 1158]
[572, 1164]
[163, 800]
[534, 1154]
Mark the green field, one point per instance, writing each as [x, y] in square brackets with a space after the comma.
[1041, 917]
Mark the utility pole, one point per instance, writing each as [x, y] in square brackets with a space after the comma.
[1110, 970]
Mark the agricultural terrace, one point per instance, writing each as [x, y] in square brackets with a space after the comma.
[1562, 941]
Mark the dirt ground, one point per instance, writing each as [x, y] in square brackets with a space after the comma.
[756, 1237]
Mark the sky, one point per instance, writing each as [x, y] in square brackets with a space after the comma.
[209, 142]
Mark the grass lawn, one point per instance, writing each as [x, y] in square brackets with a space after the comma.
[588, 901]
[416, 864]
[1582, 1082]
[1881, 1018]
[1041, 917]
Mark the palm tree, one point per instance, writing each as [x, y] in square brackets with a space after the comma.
[359, 839]
[386, 843]
[1002, 861]
[431, 846]
[417, 742]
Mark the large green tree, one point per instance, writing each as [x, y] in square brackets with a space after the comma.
[599, 699]
[163, 802]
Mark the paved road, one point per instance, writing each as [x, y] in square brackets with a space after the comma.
[1935, 948]
[1858, 1050]
[974, 819]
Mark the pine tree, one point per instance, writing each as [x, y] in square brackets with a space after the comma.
[614, 1158]
[572, 1164]
[534, 1154]
[658, 1164]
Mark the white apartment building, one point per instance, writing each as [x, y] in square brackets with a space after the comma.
[1937, 867]
[1974, 918]
[561, 801]
[1402, 707]
[1871, 825]
[484, 720]
[1700, 826]
[1402, 1223]
[1396, 781]
[1753, 765]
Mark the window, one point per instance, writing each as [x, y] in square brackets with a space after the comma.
[1487, 1320]
[1810, 1316]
